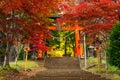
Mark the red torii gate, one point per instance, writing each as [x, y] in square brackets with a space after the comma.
[78, 49]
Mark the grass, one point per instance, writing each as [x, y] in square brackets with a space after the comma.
[95, 60]
[112, 72]
[13, 70]
[29, 65]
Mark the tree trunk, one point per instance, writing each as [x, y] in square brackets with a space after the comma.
[106, 65]
[6, 58]
[11, 54]
[18, 49]
[10, 40]
[16, 58]
[65, 51]
[17, 55]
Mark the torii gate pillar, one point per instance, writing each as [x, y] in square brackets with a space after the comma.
[77, 45]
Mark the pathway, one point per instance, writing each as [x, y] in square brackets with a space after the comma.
[70, 71]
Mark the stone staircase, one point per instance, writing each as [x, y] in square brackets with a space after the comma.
[66, 74]
[61, 63]
[64, 68]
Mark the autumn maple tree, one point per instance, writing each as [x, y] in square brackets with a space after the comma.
[93, 13]
[95, 16]
[24, 19]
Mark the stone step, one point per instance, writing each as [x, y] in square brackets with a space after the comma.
[61, 63]
[67, 78]
[66, 74]
[57, 78]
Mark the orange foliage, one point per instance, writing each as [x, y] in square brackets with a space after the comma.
[93, 15]
[93, 12]
[26, 18]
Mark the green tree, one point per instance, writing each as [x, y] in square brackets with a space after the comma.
[114, 46]
[54, 41]
[62, 41]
